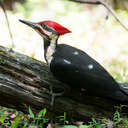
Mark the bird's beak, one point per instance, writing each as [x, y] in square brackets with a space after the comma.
[29, 23]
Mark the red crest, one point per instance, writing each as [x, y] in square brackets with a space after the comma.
[61, 30]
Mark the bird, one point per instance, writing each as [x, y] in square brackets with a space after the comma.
[73, 66]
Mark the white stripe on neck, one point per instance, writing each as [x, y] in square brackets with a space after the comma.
[50, 50]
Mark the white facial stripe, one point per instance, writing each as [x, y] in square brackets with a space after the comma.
[44, 30]
[47, 32]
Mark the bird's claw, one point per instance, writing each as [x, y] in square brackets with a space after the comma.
[53, 95]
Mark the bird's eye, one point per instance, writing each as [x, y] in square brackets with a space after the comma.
[45, 26]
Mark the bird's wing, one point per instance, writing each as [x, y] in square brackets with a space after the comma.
[75, 67]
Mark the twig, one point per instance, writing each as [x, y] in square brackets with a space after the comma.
[87, 1]
[114, 14]
[106, 5]
[100, 27]
[8, 25]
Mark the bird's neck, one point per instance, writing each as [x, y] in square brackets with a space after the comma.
[49, 49]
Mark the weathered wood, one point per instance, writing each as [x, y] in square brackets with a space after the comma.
[26, 82]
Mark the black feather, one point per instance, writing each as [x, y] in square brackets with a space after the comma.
[73, 69]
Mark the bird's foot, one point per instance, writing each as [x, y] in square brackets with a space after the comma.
[53, 95]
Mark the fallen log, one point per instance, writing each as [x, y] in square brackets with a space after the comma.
[26, 82]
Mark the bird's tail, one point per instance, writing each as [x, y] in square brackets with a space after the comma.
[122, 95]
[124, 85]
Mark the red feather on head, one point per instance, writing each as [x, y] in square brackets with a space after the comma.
[61, 30]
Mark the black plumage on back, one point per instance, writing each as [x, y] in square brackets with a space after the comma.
[74, 67]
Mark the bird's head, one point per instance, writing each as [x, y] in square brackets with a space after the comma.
[47, 29]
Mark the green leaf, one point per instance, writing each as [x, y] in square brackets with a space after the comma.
[1, 112]
[2, 118]
[40, 114]
[25, 125]
[17, 121]
[69, 126]
[98, 126]
[84, 126]
[31, 113]
[44, 111]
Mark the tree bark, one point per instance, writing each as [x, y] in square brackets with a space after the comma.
[26, 82]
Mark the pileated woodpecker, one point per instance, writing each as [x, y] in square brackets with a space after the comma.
[73, 66]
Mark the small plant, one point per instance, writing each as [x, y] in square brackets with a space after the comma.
[117, 117]
[39, 119]
[16, 122]
[119, 121]
[4, 120]
[95, 124]
[62, 119]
